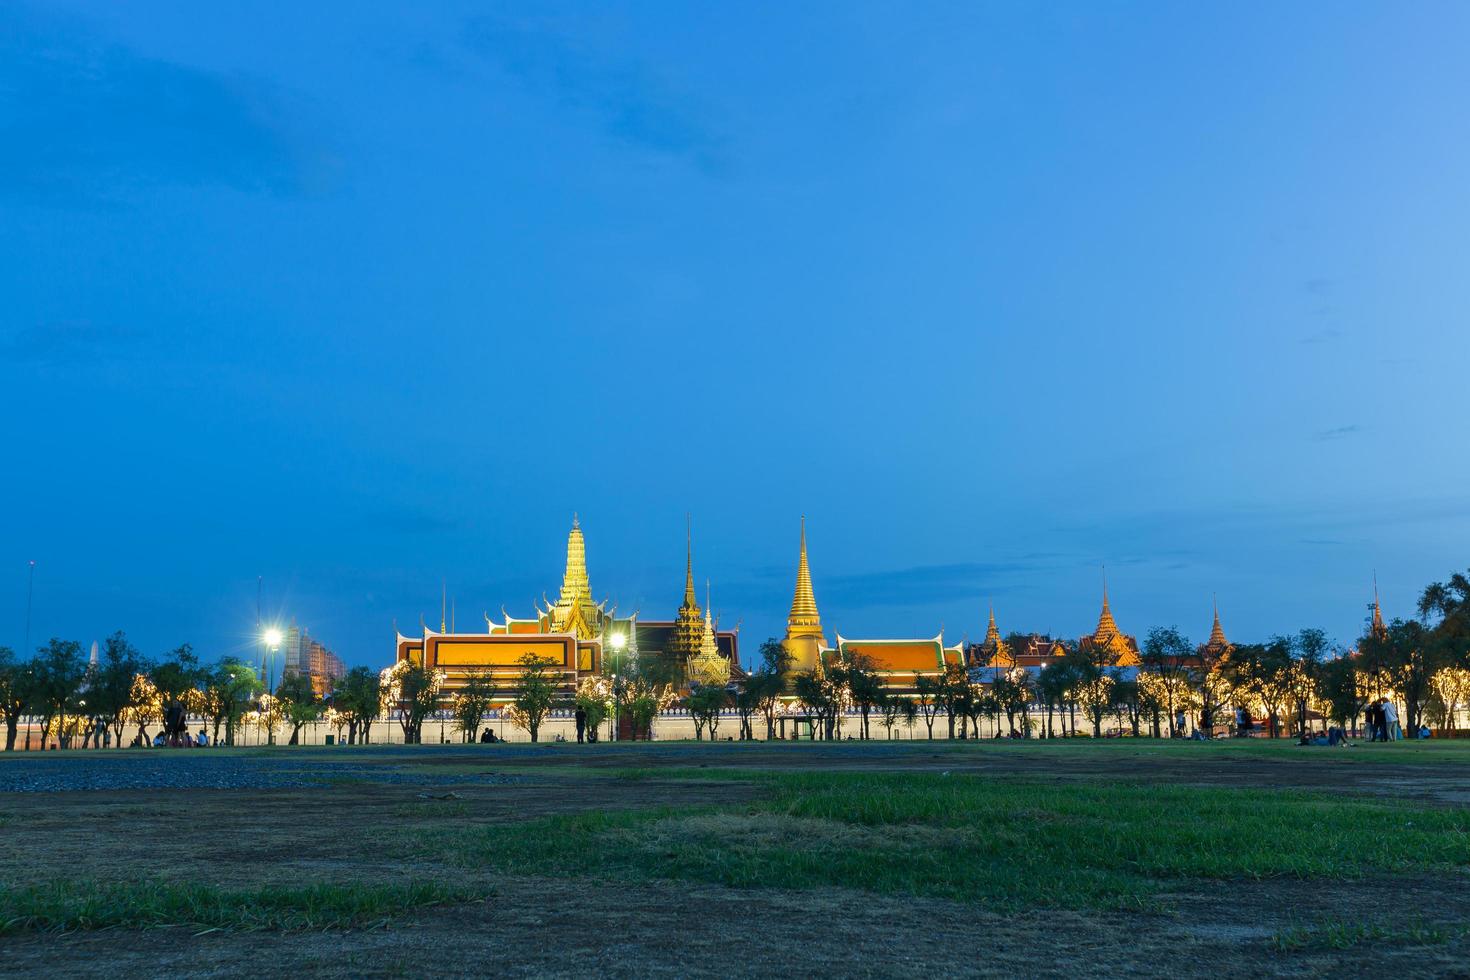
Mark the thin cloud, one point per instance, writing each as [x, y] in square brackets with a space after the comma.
[1323, 336]
[1340, 432]
[72, 342]
[88, 120]
[632, 103]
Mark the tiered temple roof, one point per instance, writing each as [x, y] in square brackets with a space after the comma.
[1121, 650]
[688, 630]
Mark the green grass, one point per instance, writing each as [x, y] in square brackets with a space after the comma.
[1342, 935]
[1005, 843]
[61, 906]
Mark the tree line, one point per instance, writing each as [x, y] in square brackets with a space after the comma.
[82, 704]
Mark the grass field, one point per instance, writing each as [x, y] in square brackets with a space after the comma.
[679, 859]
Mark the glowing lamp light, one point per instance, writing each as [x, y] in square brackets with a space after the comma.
[618, 640]
[273, 638]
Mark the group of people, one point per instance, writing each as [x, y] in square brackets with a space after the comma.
[1382, 719]
[174, 740]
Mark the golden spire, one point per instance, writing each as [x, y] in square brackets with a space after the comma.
[707, 666]
[992, 633]
[688, 631]
[689, 599]
[574, 584]
[443, 599]
[1378, 626]
[1217, 633]
[1106, 628]
[803, 620]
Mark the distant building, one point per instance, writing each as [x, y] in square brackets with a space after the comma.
[303, 655]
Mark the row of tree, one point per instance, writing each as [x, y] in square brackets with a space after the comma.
[61, 692]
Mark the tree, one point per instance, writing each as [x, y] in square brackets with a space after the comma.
[1165, 654]
[59, 670]
[1052, 684]
[1452, 685]
[471, 703]
[1011, 693]
[865, 688]
[769, 682]
[413, 691]
[16, 693]
[594, 696]
[145, 706]
[1337, 686]
[1261, 674]
[233, 686]
[110, 693]
[747, 704]
[534, 698]
[705, 705]
[1091, 685]
[299, 703]
[891, 710]
[357, 698]
[953, 693]
[926, 700]
[1405, 655]
[1309, 649]
[820, 695]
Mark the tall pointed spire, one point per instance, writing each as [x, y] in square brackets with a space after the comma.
[689, 598]
[1106, 628]
[1217, 632]
[688, 630]
[574, 611]
[1377, 609]
[574, 583]
[804, 620]
[443, 602]
[992, 632]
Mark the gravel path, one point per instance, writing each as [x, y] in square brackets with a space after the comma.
[182, 769]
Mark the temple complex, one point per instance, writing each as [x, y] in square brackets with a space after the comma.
[573, 634]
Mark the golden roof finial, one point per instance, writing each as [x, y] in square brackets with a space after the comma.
[443, 596]
[804, 620]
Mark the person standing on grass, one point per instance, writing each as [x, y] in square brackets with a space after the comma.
[1391, 730]
[1371, 720]
[581, 719]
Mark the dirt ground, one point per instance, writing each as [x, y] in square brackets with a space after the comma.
[547, 927]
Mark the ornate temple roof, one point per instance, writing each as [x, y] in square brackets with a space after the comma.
[1106, 627]
[1217, 639]
[804, 620]
[1122, 647]
[902, 655]
[708, 666]
[574, 611]
[998, 654]
[688, 632]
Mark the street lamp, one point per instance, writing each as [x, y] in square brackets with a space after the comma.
[618, 641]
[272, 638]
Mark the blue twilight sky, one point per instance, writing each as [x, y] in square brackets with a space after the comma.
[356, 297]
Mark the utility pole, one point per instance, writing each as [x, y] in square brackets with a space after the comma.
[30, 592]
